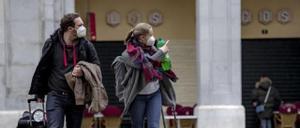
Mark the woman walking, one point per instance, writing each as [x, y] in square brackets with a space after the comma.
[140, 83]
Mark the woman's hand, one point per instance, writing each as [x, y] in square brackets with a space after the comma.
[165, 48]
[77, 72]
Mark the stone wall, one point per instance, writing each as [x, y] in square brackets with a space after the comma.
[23, 35]
[24, 26]
[2, 56]
[28, 23]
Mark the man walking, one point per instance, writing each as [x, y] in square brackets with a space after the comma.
[60, 54]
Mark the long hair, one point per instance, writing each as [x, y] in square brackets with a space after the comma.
[139, 29]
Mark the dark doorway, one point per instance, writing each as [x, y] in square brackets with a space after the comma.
[107, 51]
[277, 58]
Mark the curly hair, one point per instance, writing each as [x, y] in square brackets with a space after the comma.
[68, 21]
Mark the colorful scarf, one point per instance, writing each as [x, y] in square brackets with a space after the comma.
[149, 67]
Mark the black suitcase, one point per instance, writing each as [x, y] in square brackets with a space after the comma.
[35, 119]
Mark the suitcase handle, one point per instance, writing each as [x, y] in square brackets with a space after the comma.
[29, 106]
[32, 99]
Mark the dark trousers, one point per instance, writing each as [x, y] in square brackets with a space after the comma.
[148, 106]
[58, 106]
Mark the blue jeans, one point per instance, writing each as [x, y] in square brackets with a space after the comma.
[148, 106]
[60, 105]
[266, 123]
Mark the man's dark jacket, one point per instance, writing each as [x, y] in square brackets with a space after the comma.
[39, 84]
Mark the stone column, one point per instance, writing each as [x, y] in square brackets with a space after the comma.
[24, 27]
[219, 64]
[49, 19]
[69, 6]
[2, 56]
[62, 7]
[23, 36]
[54, 10]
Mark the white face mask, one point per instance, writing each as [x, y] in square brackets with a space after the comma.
[151, 41]
[81, 32]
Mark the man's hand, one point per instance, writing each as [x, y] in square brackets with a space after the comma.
[165, 48]
[77, 72]
[254, 104]
[39, 100]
